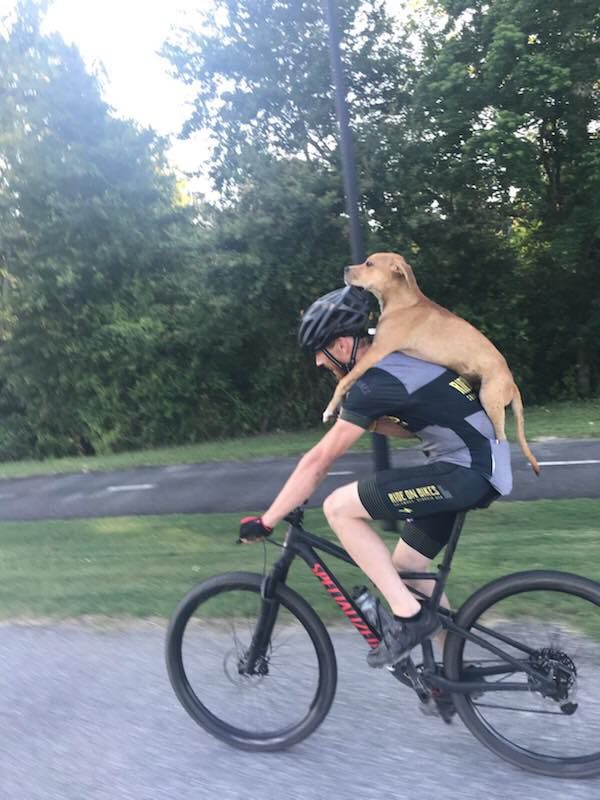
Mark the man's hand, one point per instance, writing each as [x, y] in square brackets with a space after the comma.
[252, 529]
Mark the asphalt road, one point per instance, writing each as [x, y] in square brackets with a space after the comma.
[570, 468]
[88, 713]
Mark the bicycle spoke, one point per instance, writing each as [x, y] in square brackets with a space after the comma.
[562, 635]
[277, 697]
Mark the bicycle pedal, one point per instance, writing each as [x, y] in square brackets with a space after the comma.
[439, 707]
[428, 708]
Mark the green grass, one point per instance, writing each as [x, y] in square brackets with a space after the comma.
[571, 420]
[141, 566]
[574, 420]
[241, 448]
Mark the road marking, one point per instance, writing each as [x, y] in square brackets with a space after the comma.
[566, 463]
[134, 487]
[342, 472]
[73, 498]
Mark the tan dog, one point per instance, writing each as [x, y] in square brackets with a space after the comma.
[413, 323]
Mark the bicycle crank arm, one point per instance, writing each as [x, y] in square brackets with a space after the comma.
[406, 672]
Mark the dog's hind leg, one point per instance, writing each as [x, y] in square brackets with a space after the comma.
[492, 399]
[494, 395]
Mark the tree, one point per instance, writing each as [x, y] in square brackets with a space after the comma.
[266, 257]
[264, 90]
[91, 243]
[475, 133]
[129, 319]
[508, 104]
[263, 81]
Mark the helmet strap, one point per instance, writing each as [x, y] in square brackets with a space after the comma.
[345, 368]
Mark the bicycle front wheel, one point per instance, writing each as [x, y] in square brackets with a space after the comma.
[549, 621]
[293, 682]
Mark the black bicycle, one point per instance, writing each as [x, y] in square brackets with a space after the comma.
[253, 664]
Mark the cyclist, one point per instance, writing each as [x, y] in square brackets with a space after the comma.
[401, 396]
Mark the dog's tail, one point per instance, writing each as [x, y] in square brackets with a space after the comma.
[517, 409]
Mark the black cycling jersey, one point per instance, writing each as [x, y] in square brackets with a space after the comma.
[439, 407]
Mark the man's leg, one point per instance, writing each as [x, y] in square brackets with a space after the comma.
[408, 559]
[348, 519]
[429, 496]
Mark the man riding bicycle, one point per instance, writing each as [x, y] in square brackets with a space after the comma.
[401, 396]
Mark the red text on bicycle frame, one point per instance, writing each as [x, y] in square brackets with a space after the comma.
[337, 594]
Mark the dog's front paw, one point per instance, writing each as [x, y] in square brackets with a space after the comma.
[328, 414]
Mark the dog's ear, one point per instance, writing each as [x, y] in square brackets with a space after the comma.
[404, 269]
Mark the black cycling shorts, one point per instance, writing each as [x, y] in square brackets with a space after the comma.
[428, 497]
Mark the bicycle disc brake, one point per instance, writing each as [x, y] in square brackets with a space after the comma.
[235, 667]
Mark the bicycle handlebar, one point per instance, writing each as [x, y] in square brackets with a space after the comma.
[296, 516]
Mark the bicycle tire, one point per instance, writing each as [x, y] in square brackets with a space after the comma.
[198, 709]
[509, 588]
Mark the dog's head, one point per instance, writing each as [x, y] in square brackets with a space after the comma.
[379, 271]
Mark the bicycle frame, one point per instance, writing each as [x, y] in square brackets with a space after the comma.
[300, 542]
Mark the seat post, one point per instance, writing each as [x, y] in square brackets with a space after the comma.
[444, 567]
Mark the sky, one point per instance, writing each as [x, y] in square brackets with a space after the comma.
[120, 38]
[124, 36]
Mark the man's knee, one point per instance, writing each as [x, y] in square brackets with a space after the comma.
[344, 504]
[333, 505]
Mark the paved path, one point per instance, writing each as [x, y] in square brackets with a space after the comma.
[89, 713]
[571, 469]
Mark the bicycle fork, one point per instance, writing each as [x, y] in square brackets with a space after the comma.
[255, 661]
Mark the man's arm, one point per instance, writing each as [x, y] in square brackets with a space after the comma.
[390, 426]
[311, 469]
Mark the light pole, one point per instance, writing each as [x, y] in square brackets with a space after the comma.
[381, 451]
[346, 147]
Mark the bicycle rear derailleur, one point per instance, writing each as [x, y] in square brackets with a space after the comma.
[557, 666]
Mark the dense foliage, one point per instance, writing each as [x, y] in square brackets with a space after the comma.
[130, 318]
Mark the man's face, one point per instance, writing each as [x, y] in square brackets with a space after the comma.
[341, 349]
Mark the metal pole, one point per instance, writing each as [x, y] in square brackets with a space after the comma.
[381, 453]
[346, 147]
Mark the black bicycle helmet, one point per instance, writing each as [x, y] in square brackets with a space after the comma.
[343, 312]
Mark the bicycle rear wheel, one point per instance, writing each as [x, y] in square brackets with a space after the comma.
[551, 621]
[293, 685]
